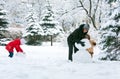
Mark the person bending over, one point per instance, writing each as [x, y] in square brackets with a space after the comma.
[77, 35]
[15, 44]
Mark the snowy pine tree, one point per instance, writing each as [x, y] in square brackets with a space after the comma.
[33, 29]
[3, 21]
[49, 24]
[110, 34]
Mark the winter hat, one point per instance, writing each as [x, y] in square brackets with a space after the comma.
[86, 26]
[23, 41]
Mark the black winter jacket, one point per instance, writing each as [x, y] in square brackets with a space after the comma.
[77, 35]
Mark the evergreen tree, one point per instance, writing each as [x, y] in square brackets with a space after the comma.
[49, 24]
[110, 34]
[33, 30]
[3, 21]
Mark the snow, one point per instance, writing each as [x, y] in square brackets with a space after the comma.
[50, 62]
[82, 55]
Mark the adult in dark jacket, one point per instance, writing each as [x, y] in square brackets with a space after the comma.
[77, 35]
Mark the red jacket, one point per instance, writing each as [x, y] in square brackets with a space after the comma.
[14, 44]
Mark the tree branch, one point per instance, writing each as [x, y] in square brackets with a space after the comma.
[83, 7]
[70, 10]
[90, 8]
[89, 12]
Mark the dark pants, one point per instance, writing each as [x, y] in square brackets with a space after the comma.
[75, 49]
[11, 54]
[71, 46]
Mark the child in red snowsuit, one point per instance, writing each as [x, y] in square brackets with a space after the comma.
[14, 44]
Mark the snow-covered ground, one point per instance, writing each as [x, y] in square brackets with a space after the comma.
[50, 62]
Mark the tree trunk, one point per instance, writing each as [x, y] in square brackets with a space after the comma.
[51, 40]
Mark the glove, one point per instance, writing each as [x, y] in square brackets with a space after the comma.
[23, 52]
[82, 43]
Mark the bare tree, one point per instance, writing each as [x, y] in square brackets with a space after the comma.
[91, 11]
[88, 11]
